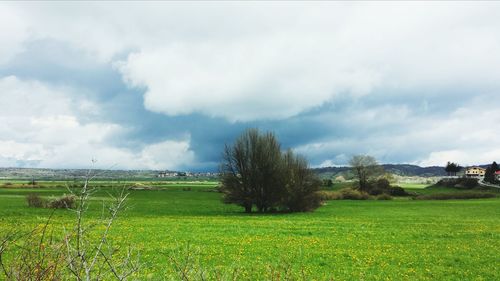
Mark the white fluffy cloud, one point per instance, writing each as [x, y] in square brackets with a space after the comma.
[250, 61]
[39, 125]
[261, 61]
[467, 157]
[240, 81]
[281, 72]
[13, 32]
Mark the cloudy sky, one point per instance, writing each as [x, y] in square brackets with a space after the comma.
[164, 85]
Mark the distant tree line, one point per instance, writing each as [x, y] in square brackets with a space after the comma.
[452, 168]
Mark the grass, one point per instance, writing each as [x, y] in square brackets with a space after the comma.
[413, 185]
[343, 240]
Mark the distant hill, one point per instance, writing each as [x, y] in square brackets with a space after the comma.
[397, 169]
[78, 174]
[414, 170]
[70, 174]
[406, 170]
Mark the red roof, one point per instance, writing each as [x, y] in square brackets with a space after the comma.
[497, 173]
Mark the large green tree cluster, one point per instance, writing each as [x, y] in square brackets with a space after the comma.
[256, 173]
[452, 168]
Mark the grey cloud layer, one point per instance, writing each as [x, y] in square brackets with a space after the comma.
[165, 85]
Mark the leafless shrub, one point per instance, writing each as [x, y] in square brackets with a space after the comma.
[353, 194]
[63, 202]
[34, 200]
[39, 258]
[326, 195]
[344, 194]
[36, 256]
[90, 259]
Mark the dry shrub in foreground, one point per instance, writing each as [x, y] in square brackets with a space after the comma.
[40, 258]
[77, 253]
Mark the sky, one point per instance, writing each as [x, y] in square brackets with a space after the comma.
[165, 85]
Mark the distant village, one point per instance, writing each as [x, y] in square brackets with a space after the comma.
[172, 174]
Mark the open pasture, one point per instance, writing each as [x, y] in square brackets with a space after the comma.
[413, 185]
[342, 240]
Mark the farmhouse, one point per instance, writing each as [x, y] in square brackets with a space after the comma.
[497, 175]
[475, 172]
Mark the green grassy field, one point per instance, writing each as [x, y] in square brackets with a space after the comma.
[413, 185]
[342, 240]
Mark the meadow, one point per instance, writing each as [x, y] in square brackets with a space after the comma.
[399, 239]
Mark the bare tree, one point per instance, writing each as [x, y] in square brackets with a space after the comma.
[301, 184]
[365, 169]
[255, 172]
[250, 171]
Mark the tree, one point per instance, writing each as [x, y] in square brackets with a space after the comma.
[494, 166]
[255, 172]
[489, 175]
[301, 184]
[365, 169]
[389, 177]
[452, 168]
[327, 182]
[249, 171]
